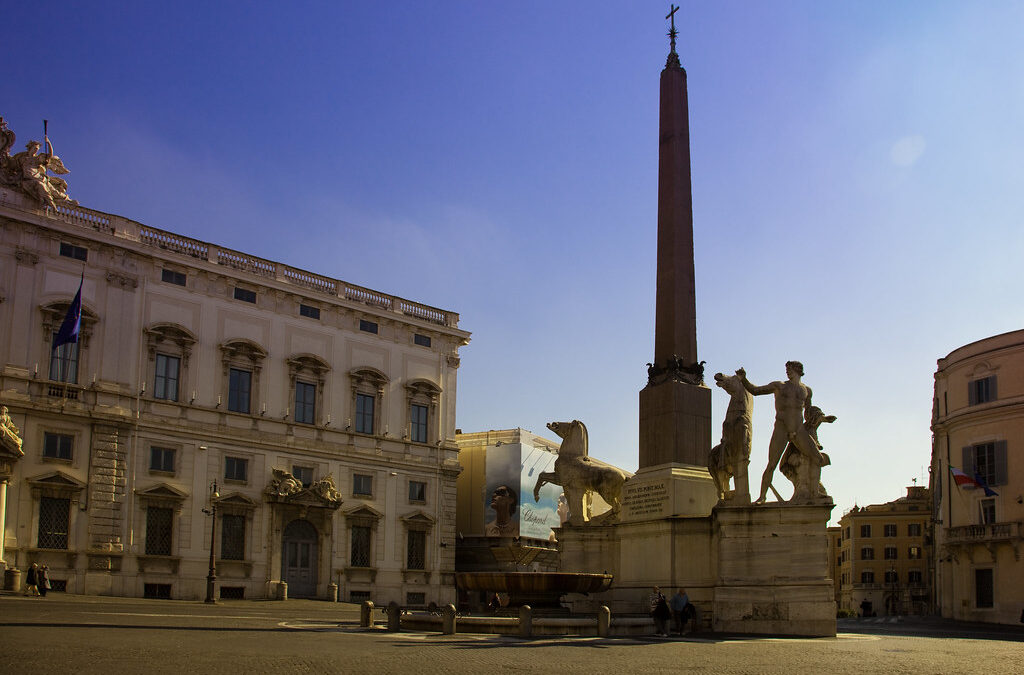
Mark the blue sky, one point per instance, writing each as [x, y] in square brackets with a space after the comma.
[856, 180]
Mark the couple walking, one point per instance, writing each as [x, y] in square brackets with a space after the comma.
[37, 580]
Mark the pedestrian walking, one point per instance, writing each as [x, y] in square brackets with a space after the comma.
[31, 579]
[43, 580]
[680, 606]
[660, 612]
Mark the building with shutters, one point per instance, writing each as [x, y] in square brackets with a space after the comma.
[322, 411]
[978, 429]
[885, 557]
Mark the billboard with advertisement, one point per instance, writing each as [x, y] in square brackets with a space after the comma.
[509, 507]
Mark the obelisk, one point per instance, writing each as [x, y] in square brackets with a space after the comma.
[675, 406]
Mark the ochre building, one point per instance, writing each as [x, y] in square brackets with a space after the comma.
[315, 417]
[885, 557]
[978, 429]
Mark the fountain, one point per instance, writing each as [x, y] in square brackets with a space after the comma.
[540, 590]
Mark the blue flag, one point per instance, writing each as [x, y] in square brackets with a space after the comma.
[72, 320]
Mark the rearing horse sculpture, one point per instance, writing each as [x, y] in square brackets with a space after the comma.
[580, 474]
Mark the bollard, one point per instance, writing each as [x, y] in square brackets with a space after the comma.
[604, 620]
[525, 621]
[332, 592]
[448, 619]
[366, 614]
[282, 591]
[394, 617]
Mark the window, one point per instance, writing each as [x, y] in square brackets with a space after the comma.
[360, 546]
[914, 577]
[892, 577]
[362, 484]
[158, 591]
[867, 577]
[847, 532]
[303, 474]
[309, 311]
[305, 402]
[421, 340]
[158, 530]
[364, 413]
[72, 251]
[986, 461]
[172, 277]
[867, 553]
[161, 459]
[983, 588]
[64, 362]
[236, 468]
[987, 511]
[242, 362]
[165, 385]
[54, 520]
[415, 599]
[232, 538]
[890, 553]
[58, 446]
[357, 597]
[914, 552]
[239, 388]
[914, 530]
[418, 423]
[367, 326]
[245, 295]
[890, 529]
[416, 551]
[981, 391]
[865, 530]
[417, 491]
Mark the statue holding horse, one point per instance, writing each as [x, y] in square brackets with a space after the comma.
[579, 474]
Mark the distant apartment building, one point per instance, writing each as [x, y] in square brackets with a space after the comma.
[978, 478]
[884, 556]
[314, 417]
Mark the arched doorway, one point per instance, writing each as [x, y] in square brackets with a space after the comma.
[298, 564]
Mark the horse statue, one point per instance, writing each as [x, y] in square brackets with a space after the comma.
[731, 457]
[579, 474]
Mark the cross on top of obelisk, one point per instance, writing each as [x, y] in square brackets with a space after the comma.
[673, 58]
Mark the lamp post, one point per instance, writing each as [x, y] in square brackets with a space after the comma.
[211, 578]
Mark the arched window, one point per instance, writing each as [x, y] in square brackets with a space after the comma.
[65, 361]
[242, 361]
[306, 377]
[169, 347]
[367, 402]
[421, 399]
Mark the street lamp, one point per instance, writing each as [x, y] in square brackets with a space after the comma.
[211, 578]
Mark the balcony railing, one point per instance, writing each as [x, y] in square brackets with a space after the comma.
[992, 532]
[242, 262]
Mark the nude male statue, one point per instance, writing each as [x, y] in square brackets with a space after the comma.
[792, 399]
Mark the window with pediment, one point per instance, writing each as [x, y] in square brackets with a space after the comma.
[367, 402]
[422, 397]
[160, 507]
[52, 495]
[65, 362]
[236, 514]
[242, 361]
[362, 529]
[168, 347]
[417, 531]
[307, 374]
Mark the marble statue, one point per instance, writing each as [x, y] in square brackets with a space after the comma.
[580, 474]
[730, 458]
[792, 400]
[326, 489]
[807, 486]
[8, 431]
[284, 484]
[29, 171]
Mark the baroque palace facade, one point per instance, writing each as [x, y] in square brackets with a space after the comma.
[322, 413]
[978, 430]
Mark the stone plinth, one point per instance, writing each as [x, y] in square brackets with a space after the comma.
[668, 490]
[773, 572]
[675, 424]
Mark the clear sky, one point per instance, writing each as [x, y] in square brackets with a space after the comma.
[856, 183]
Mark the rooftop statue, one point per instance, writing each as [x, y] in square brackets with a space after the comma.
[29, 170]
[793, 412]
[579, 474]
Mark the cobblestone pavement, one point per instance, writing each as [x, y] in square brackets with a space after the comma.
[66, 633]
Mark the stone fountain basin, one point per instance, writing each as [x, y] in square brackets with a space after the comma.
[534, 583]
